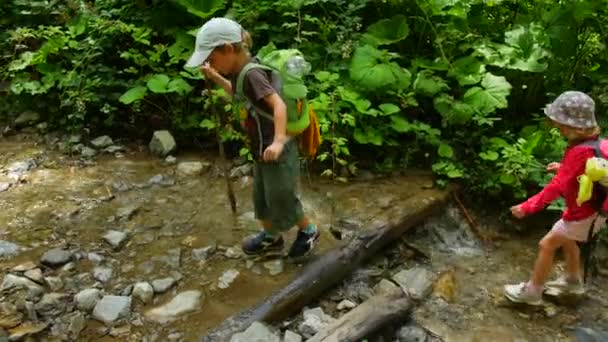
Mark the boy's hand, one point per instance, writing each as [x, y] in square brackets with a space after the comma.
[210, 72]
[518, 212]
[553, 167]
[273, 151]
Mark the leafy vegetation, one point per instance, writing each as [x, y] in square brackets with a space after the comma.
[457, 86]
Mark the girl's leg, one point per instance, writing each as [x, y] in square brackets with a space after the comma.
[544, 262]
[573, 259]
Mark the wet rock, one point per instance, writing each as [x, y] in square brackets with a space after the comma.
[3, 188]
[291, 336]
[123, 331]
[121, 186]
[314, 320]
[26, 266]
[346, 305]
[68, 327]
[170, 160]
[87, 152]
[162, 285]
[385, 286]
[35, 275]
[257, 332]
[445, 286]
[25, 330]
[10, 317]
[191, 168]
[204, 253]
[143, 291]
[183, 303]
[127, 291]
[227, 278]
[102, 142]
[30, 309]
[175, 336]
[241, 171]
[114, 149]
[54, 283]
[12, 281]
[233, 253]
[102, 274]
[56, 257]
[162, 144]
[8, 249]
[411, 333]
[97, 258]
[87, 299]
[69, 267]
[112, 308]
[17, 169]
[415, 281]
[550, 311]
[173, 258]
[115, 238]
[126, 212]
[26, 119]
[52, 304]
[274, 267]
[583, 334]
[161, 180]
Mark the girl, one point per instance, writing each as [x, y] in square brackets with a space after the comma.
[573, 113]
[222, 48]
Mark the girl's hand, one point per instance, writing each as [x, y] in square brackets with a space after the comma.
[553, 167]
[518, 212]
[209, 72]
[273, 151]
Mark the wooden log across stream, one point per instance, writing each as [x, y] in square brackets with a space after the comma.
[335, 265]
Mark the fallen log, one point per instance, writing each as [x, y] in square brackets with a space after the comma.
[332, 267]
[377, 312]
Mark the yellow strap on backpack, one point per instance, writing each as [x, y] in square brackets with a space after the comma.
[595, 170]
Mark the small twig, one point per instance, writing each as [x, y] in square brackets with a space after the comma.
[474, 227]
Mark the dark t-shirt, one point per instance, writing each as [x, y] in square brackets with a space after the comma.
[256, 86]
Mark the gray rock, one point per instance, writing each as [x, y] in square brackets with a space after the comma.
[54, 283]
[241, 171]
[191, 168]
[143, 291]
[42, 127]
[17, 169]
[346, 305]
[114, 148]
[183, 303]
[56, 257]
[3, 188]
[102, 142]
[26, 119]
[233, 253]
[97, 258]
[204, 253]
[127, 291]
[385, 286]
[411, 333]
[162, 144]
[314, 321]
[27, 330]
[227, 278]
[175, 336]
[87, 299]
[173, 258]
[162, 285]
[77, 322]
[584, 334]
[69, 267]
[274, 267]
[415, 281]
[35, 275]
[170, 160]
[112, 308]
[115, 238]
[26, 266]
[8, 249]
[161, 180]
[102, 274]
[12, 281]
[257, 332]
[125, 213]
[87, 152]
[52, 304]
[291, 336]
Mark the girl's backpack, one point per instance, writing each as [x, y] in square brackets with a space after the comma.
[287, 68]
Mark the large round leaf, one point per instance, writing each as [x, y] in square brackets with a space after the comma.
[428, 84]
[388, 31]
[492, 96]
[467, 70]
[159, 83]
[133, 94]
[371, 69]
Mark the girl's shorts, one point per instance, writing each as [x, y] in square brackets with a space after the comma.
[579, 230]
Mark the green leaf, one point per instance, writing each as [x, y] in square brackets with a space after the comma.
[400, 124]
[507, 179]
[491, 97]
[455, 173]
[371, 69]
[202, 8]
[427, 84]
[388, 31]
[489, 155]
[133, 94]
[208, 124]
[467, 70]
[368, 136]
[24, 60]
[389, 108]
[453, 111]
[180, 86]
[159, 83]
[445, 151]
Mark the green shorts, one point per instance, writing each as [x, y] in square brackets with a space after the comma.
[275, 197]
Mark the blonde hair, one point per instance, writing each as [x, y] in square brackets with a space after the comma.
[576, 135]
[245, 45]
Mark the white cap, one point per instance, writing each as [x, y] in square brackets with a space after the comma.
[215, 32]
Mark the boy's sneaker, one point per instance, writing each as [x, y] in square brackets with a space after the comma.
[522, 293]
[564, 284]
[261, 243]
[305, 242]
